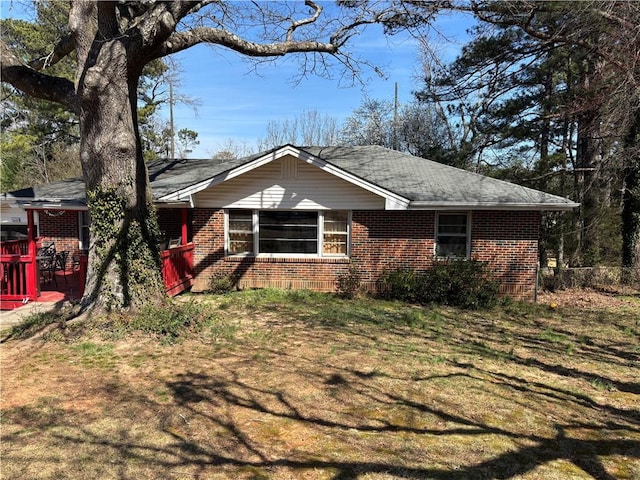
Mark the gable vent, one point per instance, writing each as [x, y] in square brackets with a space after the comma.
[289, 168]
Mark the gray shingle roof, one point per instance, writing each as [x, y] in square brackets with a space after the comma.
[423, 182]
[428, 182]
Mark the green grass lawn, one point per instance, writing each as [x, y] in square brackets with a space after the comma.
[272, 384]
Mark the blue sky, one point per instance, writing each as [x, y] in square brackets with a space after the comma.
[236, 103]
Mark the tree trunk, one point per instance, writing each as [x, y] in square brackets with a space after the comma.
[543, 164]
[587, 160]
[124, 262]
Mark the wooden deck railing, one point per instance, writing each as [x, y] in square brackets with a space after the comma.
[177, 269]
[17, 272]
[14, 247]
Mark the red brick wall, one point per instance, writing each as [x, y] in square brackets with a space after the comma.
[62, 229]
[208, 238]
[508, 242]
[390, 240]
[380, 240]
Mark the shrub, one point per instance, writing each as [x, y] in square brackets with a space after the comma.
[348, 284]
[399, 285]
[466, 284]
[222, 282]
[459, 283]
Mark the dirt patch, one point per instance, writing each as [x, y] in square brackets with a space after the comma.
[611, 298]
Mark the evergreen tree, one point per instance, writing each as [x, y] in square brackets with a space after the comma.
[537, 89]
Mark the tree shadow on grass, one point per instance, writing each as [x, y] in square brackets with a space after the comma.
[582, 453]
[206, 400]
[229, 402]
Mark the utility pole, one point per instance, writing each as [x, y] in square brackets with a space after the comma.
[172, 131]
[395, 118]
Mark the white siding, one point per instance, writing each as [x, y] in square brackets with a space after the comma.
[288, 183]
[12, 215]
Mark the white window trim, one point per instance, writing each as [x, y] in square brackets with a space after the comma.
[256, 238]
[81, 245]
[467, 234]
[321, 236]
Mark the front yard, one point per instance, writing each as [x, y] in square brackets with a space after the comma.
[295, 385]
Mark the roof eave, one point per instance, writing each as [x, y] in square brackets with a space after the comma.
[52, 204]
[542, 207]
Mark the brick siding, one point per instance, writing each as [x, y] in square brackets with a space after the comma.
[61, 229]
[391, 240]
[508, 242]
[380, 240]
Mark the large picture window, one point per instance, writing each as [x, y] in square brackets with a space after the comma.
[277, 232]
[288, 232]
[452, 239]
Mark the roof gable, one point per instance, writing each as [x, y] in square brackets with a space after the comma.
[392, 200]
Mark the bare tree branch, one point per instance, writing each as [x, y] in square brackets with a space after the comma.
[64, 47]
[317, 10]
[34, 83]
[183, 40]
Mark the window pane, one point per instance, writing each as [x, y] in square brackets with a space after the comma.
[288, 232]
[335, 244]
[288, 218]
[335, 232]
[243, 216]
[288, 246]
[452, 235]
[453, 219]
[240, 243]
[452, 229]
[452, 247]
[240, 231]
[335, 221]
[236, 224]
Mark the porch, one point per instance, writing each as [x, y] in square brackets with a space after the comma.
[22, 280]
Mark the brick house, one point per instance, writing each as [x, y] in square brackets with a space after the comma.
[299, 217]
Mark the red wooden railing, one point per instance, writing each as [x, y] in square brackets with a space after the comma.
[18, 271]
[14, 247]
[15, 274]
[177, 269]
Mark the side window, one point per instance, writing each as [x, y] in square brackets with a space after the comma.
[336, 232]
[452, 237]
[240, 232]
